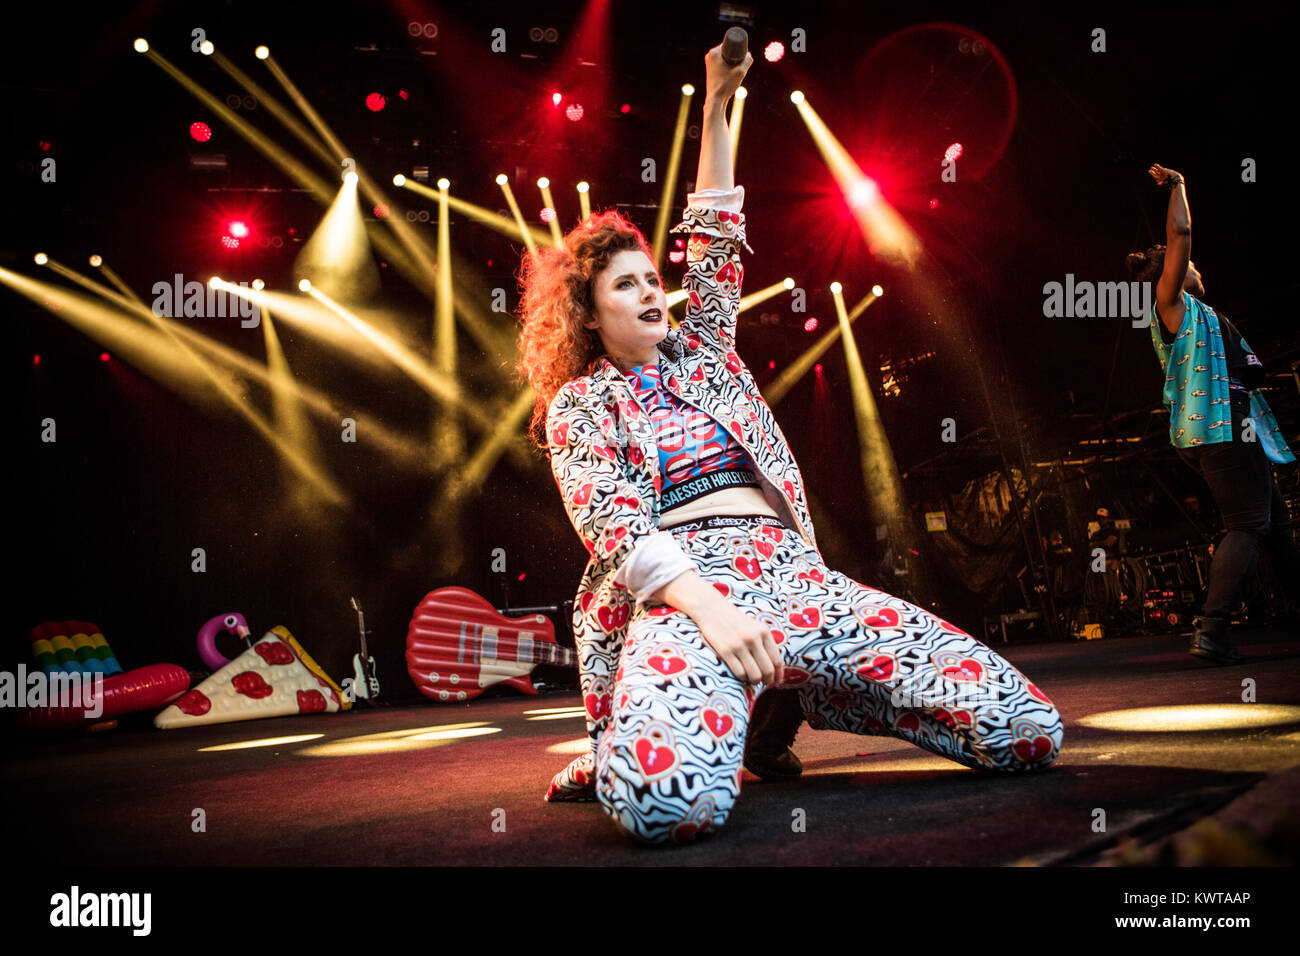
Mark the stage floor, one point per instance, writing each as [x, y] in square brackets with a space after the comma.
[463, 784]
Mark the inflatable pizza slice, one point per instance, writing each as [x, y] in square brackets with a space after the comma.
[273, 678]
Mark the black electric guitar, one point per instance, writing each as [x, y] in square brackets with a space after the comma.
[365, 685]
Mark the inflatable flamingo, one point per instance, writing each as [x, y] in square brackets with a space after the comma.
[207, 639]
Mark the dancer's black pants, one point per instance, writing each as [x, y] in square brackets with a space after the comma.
[1241, 479]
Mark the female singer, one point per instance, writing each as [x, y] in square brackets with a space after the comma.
[705, 587]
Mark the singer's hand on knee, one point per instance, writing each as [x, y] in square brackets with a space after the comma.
[744, 645]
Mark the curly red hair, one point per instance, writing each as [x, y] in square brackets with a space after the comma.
[556, 283]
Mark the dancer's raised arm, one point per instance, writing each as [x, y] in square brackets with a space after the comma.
[1178, 249]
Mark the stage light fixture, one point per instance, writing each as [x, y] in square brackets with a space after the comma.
[741, 93]
[547, 214]
[237, 228]
[625, 108]
[141, 45]
[201, 132]
[934, 204]
[573, 112]
[863, 192]
[877, 291]
[376, 102]
[103, 356]
[796, 97]
[836, 288]
[543, 183]
[206, 48]
[556, 98]
[261, 53]
[350, 178]
[399, 180]
[774, 51]
[502, 179]
[953, 152]
[304, 285]
[687, 89]
[96, 261]
[788, 283]
[41, 258]
[818, 368]
[444, 183]
[259, 285]
[583, 187]
[810, 325]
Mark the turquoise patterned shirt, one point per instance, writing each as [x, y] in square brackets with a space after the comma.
[1196, 385]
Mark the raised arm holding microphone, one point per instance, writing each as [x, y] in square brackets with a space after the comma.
[1219, 423]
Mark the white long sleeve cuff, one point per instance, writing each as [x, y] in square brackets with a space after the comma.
[654, 562]
[730, 200]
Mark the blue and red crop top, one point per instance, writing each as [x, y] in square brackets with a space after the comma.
[696, 454]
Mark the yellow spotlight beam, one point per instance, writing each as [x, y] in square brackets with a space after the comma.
[881, 482]
[104, 329]
[779, 387]
[473, 473]
[289, 413]
[406, 235]
[737, 114]
[517, 229]
[316, 316]
[337, 256]
[417, 269]
[670, 178]
[754, 298]
[273, 107]
[447, 439]
[504, 182]
[548, 202]
[430, 379]
[584, 200]
[115, 279]
[881, 226]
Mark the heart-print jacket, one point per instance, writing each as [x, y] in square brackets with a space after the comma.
[606, 463]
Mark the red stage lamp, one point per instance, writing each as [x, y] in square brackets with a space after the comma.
[774, 51]
[952, 153]
[556, 98]
[548, 214]
[375, 102]
[237, 228]
[103, 356]
[201, 132]
[625, 108]
[573, 111]
[818, 368]
[381, 211]
[230, 242]
[810, 325]
[676, 255]
[36, 360]
[934, 204]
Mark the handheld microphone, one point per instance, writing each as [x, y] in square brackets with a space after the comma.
[734, 46]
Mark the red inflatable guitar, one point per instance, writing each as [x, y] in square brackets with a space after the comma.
[458, 645]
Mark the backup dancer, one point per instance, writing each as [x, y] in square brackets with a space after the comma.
[1219, 423]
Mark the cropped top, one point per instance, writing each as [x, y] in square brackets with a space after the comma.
[697, 455]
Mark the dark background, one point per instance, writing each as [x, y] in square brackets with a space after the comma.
[108, 516]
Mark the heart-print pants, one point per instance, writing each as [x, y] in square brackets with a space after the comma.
[668, 766]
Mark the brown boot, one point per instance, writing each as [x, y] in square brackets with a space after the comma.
[773, 726]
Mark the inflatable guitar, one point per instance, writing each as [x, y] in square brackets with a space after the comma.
[458, 645]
